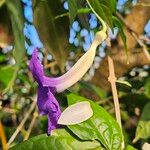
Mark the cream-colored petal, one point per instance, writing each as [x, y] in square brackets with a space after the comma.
[76, 113]
[81, 67]
[146, 146]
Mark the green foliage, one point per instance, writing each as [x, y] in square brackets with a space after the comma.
[124, 82]
[2, 2]
[73, 9]
[129, 147]
[16, 15]
[143, 128]
[60, 140]
[105, 9]
[6, 73]
[119, 24]
[52, 32]
[147, 87]
[100, 92]
[17, 21]
[104, 128]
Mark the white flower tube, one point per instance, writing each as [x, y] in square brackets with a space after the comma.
[81, 67]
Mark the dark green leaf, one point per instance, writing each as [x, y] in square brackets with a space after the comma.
[105, 9]
[60, 140]
[100, 92]
[147, 87]
[118, 24]
[15, 11]
[143, 128]
[101, 126]
[73, 9]
[52, 32]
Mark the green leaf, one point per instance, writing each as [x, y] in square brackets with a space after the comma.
[60, 140]
[101, 126]
[15, 11]
[52, 32]
[147, 87]
[104, 9]
[129, 147]
[118, 24]
[16, 14]
[6, 74]
[124, 82]
[143, 128]
[73, 9]
[2, 2]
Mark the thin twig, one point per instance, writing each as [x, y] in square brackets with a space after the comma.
[8, 110]
[145, 39]
[3, 137]
[22, 123]
[31, 125]
[112, 80]
[143, 4]
[135, 36]
[51, 64]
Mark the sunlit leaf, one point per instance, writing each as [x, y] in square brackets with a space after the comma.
[104, 128]
[2, 2]
[6, 74]
[60, 140]
[129, 147]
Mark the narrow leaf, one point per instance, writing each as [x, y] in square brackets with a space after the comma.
[73, 9]
[124, 82]
[118, 24]
[16, 14]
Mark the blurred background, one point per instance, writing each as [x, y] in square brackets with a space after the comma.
[65, 37]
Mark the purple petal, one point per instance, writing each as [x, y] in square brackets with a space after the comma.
[36, 67]
[48, 105]
[38, 72]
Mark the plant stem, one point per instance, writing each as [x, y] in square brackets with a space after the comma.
[100, 19]
[112, 80]
[22, 123]
[31, 125]
[3, 137]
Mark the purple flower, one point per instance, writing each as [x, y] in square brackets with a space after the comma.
[46, 100]
[47, 87]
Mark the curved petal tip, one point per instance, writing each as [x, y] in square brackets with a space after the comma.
[76, 113]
